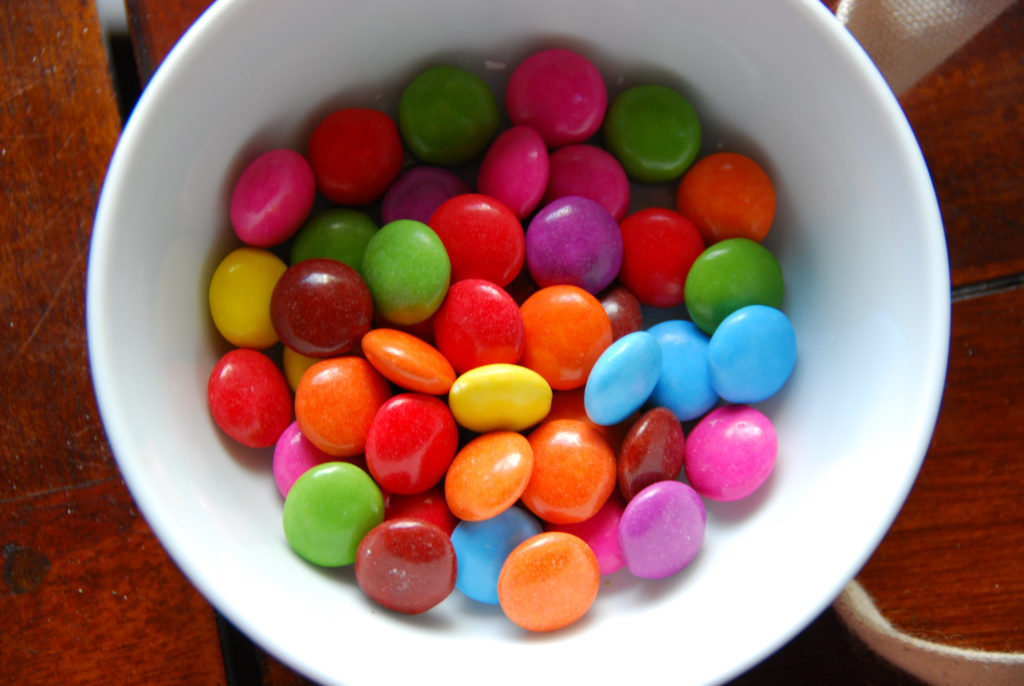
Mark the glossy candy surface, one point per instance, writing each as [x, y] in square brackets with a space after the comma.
[549, 581]
[411, 441]
[336, 401]
[295, 365]
[574, 241]
[249, 398]
[483, 238]
[355, 154]
[566, 331]
[653, 131]
[477, 324]
[418, 191]
[731, 452]
[658, 248]
[499, 397]
[337, 233]
[430, 506]
[727, 195]
[488, 475]
[406, 565]
[329, 510]
[321, 307]
[272, 198]
[729, 275]
[652, 451]
[623, 310]
[662, 529]
[482, 547]
[408, 361]
[294, 455]
[570, 405]
[590, 172]
[601, 533]
[622, 378]
[684, 385]
[752, 354]
[515, 170]
[239, 296]
[407, 270]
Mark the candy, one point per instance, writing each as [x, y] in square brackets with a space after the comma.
[478, 324]
[482, 547]
[549, 581]
[623, 310]
[488, 475]
[329, 510]
[336, 401]
[295, 365]
[483, 238]
[355, 154]
[601, 533]
[751, 354]
[570, 405]
[447, 115]
[652, 451]
[239, 296]
[515, 170]
[321, 307]
[684, 385]
[428, 506]
[419, 191]
[338, 234]
[408, 361]
[653, 131]
[727, 195]
[407, 270]
[406, 565]
[622, 378]
[575, 241]
[558, 92]
[249, 398]
[272, 198]
[591, 172]
[730, 453]
[662, 529]
[499, 397]
[566, 331]
[411, 441]
[294, 455]
[729, 275]
[658, 248]
[573, 472]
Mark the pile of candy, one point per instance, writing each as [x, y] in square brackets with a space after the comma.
[466, 396]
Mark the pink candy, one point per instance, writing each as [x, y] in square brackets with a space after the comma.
[601, 532]
[294, 455]
[272, 198]
[515, 170]
[590, 172]
[730, 452]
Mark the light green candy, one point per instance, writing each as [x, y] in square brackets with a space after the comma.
[407, 270]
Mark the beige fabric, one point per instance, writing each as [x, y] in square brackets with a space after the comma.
[909, 38]
[933, 663]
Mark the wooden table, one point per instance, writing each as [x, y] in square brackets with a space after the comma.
[88, 595]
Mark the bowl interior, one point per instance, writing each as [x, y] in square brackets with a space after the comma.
[857, 232]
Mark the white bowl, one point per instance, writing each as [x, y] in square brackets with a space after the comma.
[858, 234]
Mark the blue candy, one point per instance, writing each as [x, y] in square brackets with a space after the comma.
[481, 548]
[622, 378]
[684, 385]
[751, 354]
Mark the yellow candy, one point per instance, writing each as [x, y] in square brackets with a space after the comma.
[499, 397]
[295, 365]
[240, 297]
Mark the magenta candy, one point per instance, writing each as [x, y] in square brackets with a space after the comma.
[662, 529]
[294, 455]
[601, 533]
[591, 172]
[730, 452]
[272, 198]
[560, 93]
[418, 192]
[574, 241]
[515, 170]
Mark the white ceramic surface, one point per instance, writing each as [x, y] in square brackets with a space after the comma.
[858, 234]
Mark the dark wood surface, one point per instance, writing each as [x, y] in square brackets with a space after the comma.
[87, 594]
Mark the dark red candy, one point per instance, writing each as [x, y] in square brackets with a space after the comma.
[652, 451]
[412, 440]
[321, 307]
[249, 398]
[479, 323]
[429, 506]
[623, 310]
[406, 565]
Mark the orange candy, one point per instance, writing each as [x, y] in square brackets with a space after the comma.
[336, 401]
[548, 581]
[566, 330]
[574, 471]
[727, 195]
[488, 475]
[408, 361]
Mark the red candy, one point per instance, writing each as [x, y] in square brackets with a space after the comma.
[428, 506]
[355, 154]
[249, 398]
[478, 323]
[483, 237]
[410, 443]
[658, 248]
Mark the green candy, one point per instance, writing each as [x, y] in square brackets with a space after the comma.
[407, 270]
[338, 234]
[729, 275]
[654, 132]
[447, 116]
[328, 511]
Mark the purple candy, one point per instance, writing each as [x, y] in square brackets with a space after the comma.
[574, 241]
[418, 192]
[662, 529]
